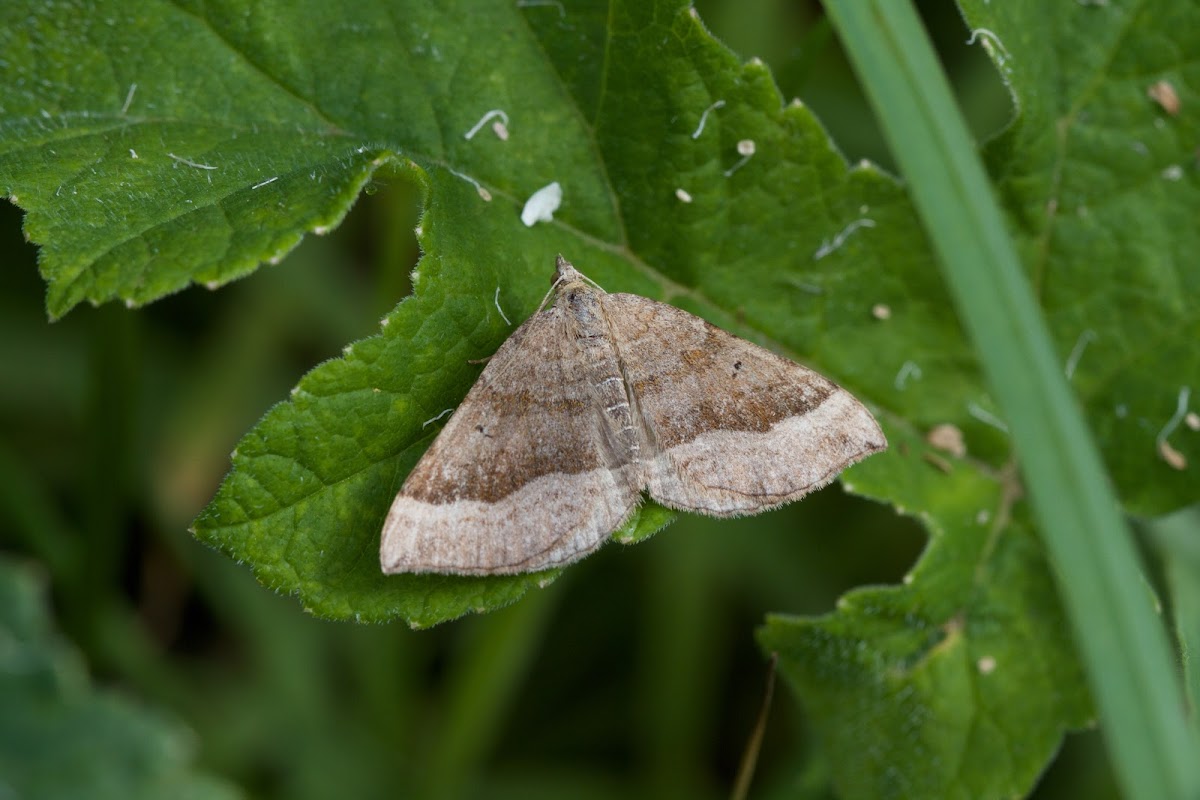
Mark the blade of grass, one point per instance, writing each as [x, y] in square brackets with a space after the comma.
[1121, 639]
[1178, 539]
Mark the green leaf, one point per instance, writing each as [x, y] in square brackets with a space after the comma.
[142, 174]
[959, 683]
[1126, 653]
[1100, 182]
[791, 247]
[60, 738]
[312, 482]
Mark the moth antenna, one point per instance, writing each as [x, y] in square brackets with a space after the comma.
[592, 282]
[550, 293]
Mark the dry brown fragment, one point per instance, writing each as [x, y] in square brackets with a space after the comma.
[1165, 95]
[948, 438]
[1174, 458]
[937, 461]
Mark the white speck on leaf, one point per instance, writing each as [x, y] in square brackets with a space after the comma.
[1077, 352]
[704, 118]
[432, 420]
[1168, 453]
[746, 149]
[484, 193]
[189, 162]
[542, 204]
[128, 98]
[501, 310]
[988, 418]
[907, 369]
[828, 246]
[503, 124]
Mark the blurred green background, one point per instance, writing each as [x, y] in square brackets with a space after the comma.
[634, 675]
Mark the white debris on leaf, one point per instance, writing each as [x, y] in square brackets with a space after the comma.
[1169, 454]
[542, 204]
[500, 128]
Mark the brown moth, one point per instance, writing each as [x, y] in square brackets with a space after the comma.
[597, 399]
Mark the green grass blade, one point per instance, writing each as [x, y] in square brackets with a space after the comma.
[1121, 638]
[1177, 537]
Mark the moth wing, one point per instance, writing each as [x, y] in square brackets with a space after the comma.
[517, 480]
[731, 428]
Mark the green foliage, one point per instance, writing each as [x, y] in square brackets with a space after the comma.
[966, 670]
[1099, 182]
[1123, 645]
[312, 482]
[153, 147]
[60, 738]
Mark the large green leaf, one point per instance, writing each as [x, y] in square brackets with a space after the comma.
[1101, 184]
[791, 247]
[59, 737]
[960, 682]
[311, 483]
[980, 686]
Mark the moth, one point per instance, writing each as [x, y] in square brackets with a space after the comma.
[592, 402]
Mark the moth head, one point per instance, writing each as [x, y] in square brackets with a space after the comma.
[566, 277]
[564, 273]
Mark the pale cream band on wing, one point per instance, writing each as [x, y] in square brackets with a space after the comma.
[744, 472]
[521, 532]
